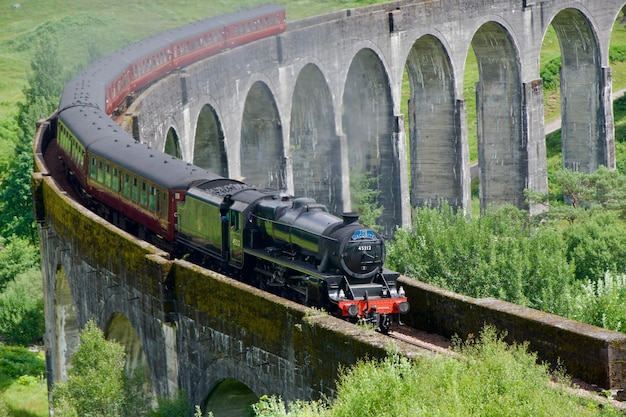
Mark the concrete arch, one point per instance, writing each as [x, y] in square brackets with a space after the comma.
[172, 144]
[209, 148]
[582, 122]
[501, 151]
[434, 126]
[230, 397]
[261, 153]
[369, 125]
[120, 329]
[314, 147]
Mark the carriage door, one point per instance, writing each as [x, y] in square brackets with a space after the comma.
[235, 238]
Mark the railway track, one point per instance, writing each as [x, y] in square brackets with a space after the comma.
[420, 338]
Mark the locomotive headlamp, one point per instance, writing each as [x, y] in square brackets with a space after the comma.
[403, 307]
[353, 310]
[342, 295]
[401, 292]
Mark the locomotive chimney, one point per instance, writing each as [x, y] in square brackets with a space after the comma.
[350, 217]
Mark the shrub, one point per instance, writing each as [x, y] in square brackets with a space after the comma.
[173, 407]
[22, 309]
[617, 53]
[487, 378]
[551, 74]
[500, 254]
[601, 302]
[17, 361]
[16, 255]
[94, 384]
[596, 244]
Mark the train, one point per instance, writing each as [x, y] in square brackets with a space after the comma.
[288, 245]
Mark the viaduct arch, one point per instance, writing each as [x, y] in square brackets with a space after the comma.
[292, 103]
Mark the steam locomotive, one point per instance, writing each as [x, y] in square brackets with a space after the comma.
[291, 246]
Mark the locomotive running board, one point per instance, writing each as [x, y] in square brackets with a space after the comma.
[295, 265]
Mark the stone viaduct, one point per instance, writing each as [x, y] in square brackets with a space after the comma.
[323, 103]
[306, 111]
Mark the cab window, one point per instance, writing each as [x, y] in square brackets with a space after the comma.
[234, 220]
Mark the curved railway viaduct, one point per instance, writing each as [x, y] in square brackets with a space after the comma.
[305, 111]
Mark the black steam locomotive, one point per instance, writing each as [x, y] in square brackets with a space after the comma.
[291, 246]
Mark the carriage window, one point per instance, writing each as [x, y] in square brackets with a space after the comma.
[115, 180]
[143, 195]
[162, 203]
[92, 168]
[107, 175]
[126, 186]
[134, 190]
[100, 172]
[152, 199]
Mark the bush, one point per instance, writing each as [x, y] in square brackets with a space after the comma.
[601, 302]
[173, 407]
[22, 309]
[551, 74]
[617, 53]
[94, 385]
[17, 361]
[275, 407]
[491, 379]
[16, 255]
[596, 244]
[499, 255]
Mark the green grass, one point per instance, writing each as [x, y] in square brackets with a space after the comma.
[30, 400]
[22, 382]
[108, 26]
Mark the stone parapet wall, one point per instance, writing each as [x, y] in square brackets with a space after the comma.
[593, 354]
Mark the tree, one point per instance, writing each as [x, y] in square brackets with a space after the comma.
[42, 93]
[95, 384]
[22, 309]
[98, 386]
[45, 83]
[16, 256]
[364, 197]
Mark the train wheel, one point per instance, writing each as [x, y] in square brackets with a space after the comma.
[384, 323]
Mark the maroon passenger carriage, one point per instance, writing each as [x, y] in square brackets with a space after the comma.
[146, 61]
